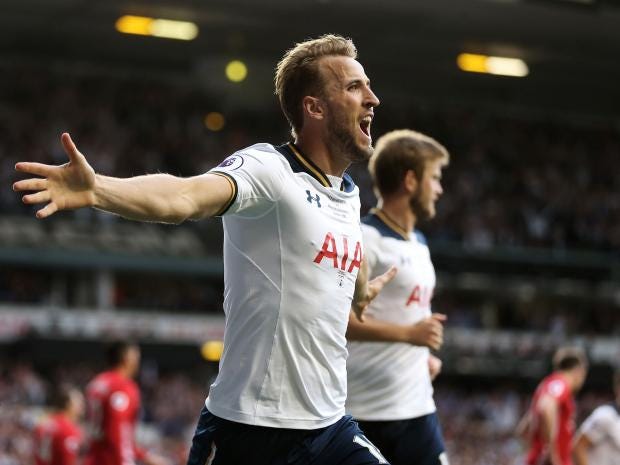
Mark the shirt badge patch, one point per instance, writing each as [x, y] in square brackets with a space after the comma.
[232, 163]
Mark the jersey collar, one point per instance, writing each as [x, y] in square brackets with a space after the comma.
[299, 162]
[391, 224]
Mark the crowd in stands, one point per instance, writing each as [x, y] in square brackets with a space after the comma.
[512, 180]
[478, 424]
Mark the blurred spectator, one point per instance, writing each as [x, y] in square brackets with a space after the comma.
[513, 181]
[479, 420]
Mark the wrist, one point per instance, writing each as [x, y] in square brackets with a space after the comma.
[95, 197]
[409, 334]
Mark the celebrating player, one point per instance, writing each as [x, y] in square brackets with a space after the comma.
[113, 405]
[58, 438]
[389, 389]
[549, 424]
[598, 440]
[292, 262]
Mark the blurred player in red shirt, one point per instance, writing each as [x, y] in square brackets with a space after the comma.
[113, 405]
[57, 439]
[549, 424]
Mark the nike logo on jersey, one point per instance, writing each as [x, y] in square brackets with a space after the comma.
[340, 261]
[314, 198]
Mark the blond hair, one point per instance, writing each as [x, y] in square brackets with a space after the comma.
[297, 73]
[400, 151]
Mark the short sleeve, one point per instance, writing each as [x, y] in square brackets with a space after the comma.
[597, 425]
[371, 249]
[257, 177]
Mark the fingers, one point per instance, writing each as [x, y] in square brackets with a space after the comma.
[38, 169]
[439, 316]
[435, 334]
[388, 275]
[375, 286]
[436, 342]
[71, 150]
[39, 197]
[48, 210]
[359, 313]
[34, 184]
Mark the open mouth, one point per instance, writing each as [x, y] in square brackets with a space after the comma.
[365, 125]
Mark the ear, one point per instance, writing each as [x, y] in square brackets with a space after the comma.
[313, 107]
[410, 183]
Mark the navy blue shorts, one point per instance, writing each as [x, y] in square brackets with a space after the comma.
[417, 441]
[222, 442]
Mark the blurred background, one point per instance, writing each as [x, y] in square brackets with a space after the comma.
[524, 94]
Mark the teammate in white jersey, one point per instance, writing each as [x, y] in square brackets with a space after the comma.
[389, 390]
[292, 258]
[598, 439]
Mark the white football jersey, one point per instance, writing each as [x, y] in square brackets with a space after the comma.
[602, 428]
[391, 381]
[292, 252]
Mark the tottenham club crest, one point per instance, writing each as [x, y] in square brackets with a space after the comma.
[232, 163]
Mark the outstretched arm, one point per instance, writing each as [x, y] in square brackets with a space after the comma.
[158, 197]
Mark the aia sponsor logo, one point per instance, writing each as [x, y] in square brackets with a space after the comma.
[342, 255]
[421, 296]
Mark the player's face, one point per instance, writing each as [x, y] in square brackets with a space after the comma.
[350, 104]
[582, 373]
[77, 403]
[132, 360]
[428, 192]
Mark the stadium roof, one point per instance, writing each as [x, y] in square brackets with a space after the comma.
[409, 48]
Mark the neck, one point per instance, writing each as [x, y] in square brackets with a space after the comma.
[123, 372]
[397, 208]
[69, 413]
[313, 147]
[567, 375]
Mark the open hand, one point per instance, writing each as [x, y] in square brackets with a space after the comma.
[63, 187]
[372, 289]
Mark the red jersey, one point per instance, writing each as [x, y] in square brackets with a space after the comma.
[555, 386]
[57, 441]
[113, 405]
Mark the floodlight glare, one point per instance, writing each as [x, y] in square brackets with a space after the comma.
[502, 66]
[236, 71]
[164, 28]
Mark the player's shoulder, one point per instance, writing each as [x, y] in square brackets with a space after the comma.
[261, 152]
[370, 228]
[373, 227]
[556, 386]
[420, 237]
[105, 382]
[382, 227]
[260, 159]
[67, 426]
[606, 411]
